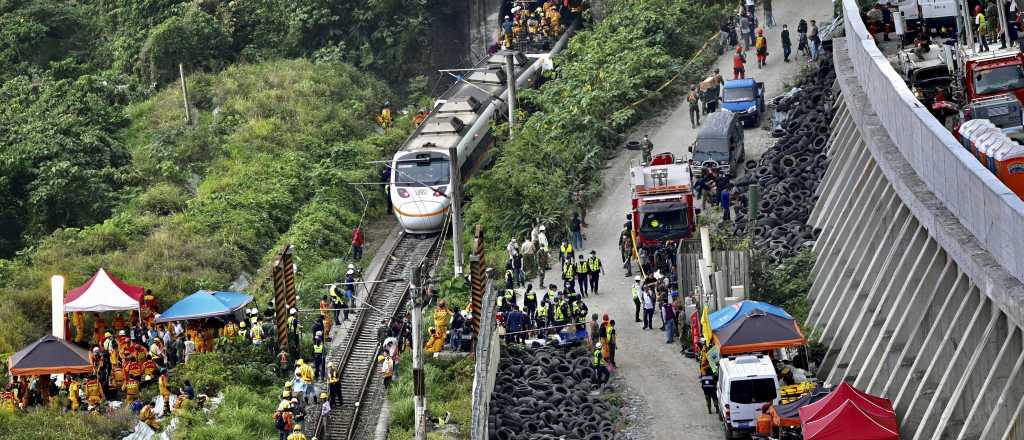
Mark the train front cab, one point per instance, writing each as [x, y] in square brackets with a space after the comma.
[420, 192]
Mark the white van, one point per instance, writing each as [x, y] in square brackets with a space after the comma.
[745, 384]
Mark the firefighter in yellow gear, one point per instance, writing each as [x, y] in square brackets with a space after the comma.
[148, 416]
[99, 328]
[165, 390]
[297, 433]
[131, 389]
[73, 387]
[118, 322]
[94, 391]
[441, 318]
[230, 330]
[78, 322]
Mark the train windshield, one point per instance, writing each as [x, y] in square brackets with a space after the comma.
[422, 172]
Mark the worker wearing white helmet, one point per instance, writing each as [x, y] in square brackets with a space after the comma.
[600, 368]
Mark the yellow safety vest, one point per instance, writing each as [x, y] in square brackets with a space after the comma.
[567, 270]
[595, 264]
[542, 312]
[581, 268]
[333, 377]
[318, 348]
[598, 360]
[257, 334]
[558, 312]
[636, 292]
[566, 249]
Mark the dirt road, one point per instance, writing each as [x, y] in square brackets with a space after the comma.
[655, 371]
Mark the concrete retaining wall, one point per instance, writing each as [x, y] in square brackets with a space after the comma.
[488, 355]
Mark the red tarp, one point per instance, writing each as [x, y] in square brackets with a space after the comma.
[848, 422]
[102, 293]
[848, 413]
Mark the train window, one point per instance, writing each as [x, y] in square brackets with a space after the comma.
[999, 79]
[434, 171]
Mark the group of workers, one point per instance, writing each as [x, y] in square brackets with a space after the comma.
[533, 22]
[583, 274]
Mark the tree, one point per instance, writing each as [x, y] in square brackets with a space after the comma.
[193, 38]
[60, 166]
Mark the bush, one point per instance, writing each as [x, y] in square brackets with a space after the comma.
[449, 383]
[191, 37]
[786, 284]
[45, 423]
[245, 412]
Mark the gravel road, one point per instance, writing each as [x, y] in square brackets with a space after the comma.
[660, 381]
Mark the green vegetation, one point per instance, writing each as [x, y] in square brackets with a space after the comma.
[53, 424]
[785, 284]
[449, 385]
[579, 118]
[272, 150]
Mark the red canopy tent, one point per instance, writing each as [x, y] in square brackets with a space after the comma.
[102, 293]
[849, 422]
[848, 413]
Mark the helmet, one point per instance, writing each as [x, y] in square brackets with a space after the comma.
[298, 427]
[597, 345]
[351, 266]
[977, 9]
[380, 358]
[121, 333]
[323, 396]
[350, 272]
[107, 334]
[330, 365]
[319, 333]
[299, 362]
[292, 311]
[636, 278]
[541, 227]
[288, 384]
[241, 324]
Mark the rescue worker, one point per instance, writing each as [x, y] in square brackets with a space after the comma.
[559, 312]
[325, 313]
[384, 118]
[626, 248]
[613, 342]
[230, 329]
[149, 369]
[442, 317]
[131, 389]
[761, 48]
[595, 269]
[336, 301]
[78, 323]
[600, 369]
[510, 275]
[297, 433]
[738, 61]
[318, 359]
[648, 149]
[530, 302]
[73, 388]
[284, 419]
[357, 239]
[293, 331]
[582, 270]
[8, 401]
[306, 374]
[334, 384]
[256, 333]
[387, 368]
[764, 426]
[568, 275]
[165, 390]
[148, 416]
[542, 316]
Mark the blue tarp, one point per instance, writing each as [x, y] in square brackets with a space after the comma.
[725, 316]
[205, 304]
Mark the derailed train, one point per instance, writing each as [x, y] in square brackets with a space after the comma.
[420, 186]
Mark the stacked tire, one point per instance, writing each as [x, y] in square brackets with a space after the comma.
[545, 393]
[791, 170]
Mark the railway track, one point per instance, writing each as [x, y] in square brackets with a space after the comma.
[356, 357]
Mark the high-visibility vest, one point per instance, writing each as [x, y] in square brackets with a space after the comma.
[92, 388]
[636, 291]
[257, 334]
[565, 249]
[131, 387]
[598, 360]
[293, 324]
[567, 270]
[582, 268]
[510, 295]
[333, 377]
[335, 295]
[531, 297]
[558, 312]
[576, 309]
[318, 348]
[595, 264]
[149, 367]
[542, 312]
[509, 275]
[611, 335]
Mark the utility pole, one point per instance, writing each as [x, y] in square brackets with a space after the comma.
[1002, 23]
[456, 178]
[419, 387]
[184, 94]
[510, 70]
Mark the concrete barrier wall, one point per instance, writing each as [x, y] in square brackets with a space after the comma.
[488, 355]
[986, 207]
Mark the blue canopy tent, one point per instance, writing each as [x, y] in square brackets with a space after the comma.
[205, 304]
[725, 316]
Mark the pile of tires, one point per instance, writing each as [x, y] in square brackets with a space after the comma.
[791, 170]
[545, 393]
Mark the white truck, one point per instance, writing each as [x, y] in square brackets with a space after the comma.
[745, 384]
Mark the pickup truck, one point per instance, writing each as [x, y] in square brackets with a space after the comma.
[745, 97]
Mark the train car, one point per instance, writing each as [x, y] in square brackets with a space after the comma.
[420, 185]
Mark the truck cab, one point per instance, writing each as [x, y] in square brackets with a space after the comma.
[662, 201]
[719, 144]
[745, 384]
[744, 97]
[994, 73]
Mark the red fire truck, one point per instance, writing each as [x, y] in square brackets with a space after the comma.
[662, 201]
